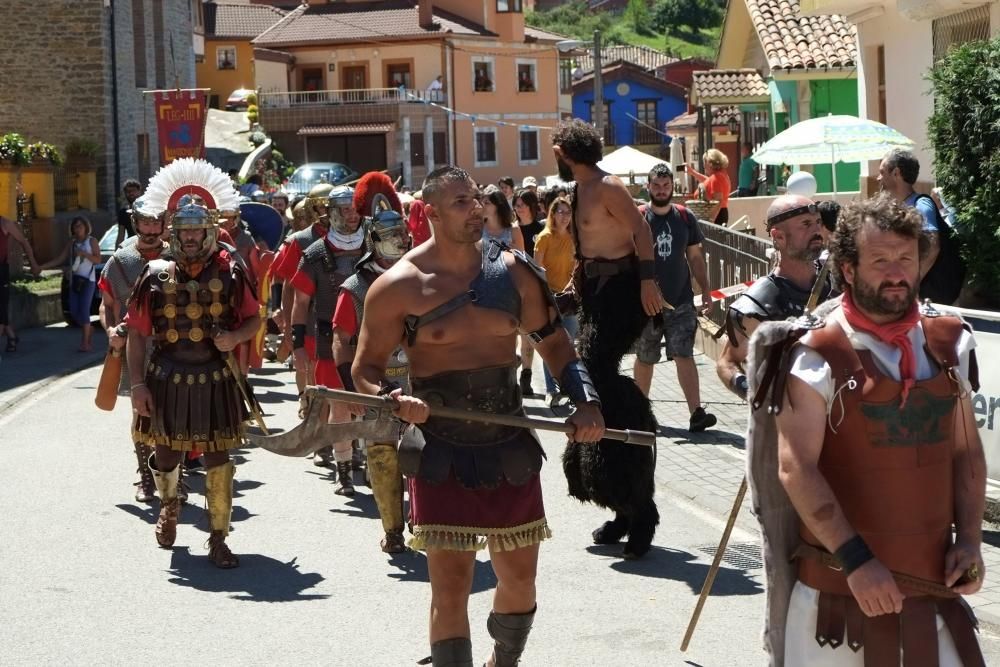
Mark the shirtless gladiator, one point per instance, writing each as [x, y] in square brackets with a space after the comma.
[614, 282]
[457, 307]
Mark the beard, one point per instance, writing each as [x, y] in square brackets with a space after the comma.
[656, 201]
[149, 240]
[809, 252]
[874, 301]
[565, 173]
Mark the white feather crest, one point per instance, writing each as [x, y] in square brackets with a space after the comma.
[185, 172]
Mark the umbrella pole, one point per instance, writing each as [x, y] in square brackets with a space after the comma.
[833, 168]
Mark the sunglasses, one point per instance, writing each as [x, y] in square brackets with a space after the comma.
[811, 209]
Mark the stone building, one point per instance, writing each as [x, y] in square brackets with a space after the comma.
[77, 70]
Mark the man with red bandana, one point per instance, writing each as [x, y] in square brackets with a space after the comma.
[324, 266]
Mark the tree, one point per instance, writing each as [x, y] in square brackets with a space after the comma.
[637, 16]
[670, 15]
[965, 132]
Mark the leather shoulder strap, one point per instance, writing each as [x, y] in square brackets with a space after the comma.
[833, 345]
[942, 335]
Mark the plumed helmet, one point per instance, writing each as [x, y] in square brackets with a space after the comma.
[191, 213]
[386, 235]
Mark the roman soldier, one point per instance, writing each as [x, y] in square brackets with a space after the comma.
[386, 241]
[324, 266]
[196, 304]
[121, 273]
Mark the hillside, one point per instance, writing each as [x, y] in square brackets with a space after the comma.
[682, 28]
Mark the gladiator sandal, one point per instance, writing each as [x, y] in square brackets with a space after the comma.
[182, 488]
[219, 503]
[345, 479]
[456, 652]
[323, 457]
[387, 487]
[145, 487]
[510, 634]
[170, 506]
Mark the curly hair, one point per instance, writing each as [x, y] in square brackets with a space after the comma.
[716, 159]
[661, 170]
[579, 141]
[887, 215]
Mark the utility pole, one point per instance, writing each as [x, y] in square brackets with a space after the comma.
[598, 86]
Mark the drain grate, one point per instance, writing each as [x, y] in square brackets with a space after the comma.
[741, 555]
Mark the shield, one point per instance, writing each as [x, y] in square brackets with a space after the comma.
[263, 222]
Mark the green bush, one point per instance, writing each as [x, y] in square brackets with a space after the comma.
[965, 133]
[43, 152]
[14, 149]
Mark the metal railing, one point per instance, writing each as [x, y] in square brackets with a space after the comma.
[732, 258]
[284, 100]
[645, 135]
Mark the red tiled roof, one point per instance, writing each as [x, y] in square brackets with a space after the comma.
[625, 70]
[350, 128]
[542, 35]
[244, 21]
[792, 41]
[720, 116]
[643, 56]
[732, 86]
[390, 20]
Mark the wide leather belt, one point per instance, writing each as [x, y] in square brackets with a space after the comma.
[915, 584]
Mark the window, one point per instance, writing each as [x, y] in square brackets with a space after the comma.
[526, 76]
[508, 5]
[417, 149]
[142, 156]
[486, 146]
[225, 57]
[528, 153]
[159, 53]
[968, 26]
[398, 75]
[566, 76]
[440, 148]
[139, 41]
[609, 135]
[482, 75]
[646, 124]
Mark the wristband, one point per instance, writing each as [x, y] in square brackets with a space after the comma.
[388, 387]
[345, 376]
[137, 384]
[852, 554]
[575, 382]
[647, 269]
[298, 336]
[740, 385]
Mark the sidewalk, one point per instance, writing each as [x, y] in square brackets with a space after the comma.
[706, 468]
[44, 354]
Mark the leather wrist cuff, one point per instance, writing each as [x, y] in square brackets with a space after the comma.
[388, 387]
[740, 385]
[575, 382]
[852, 554]
[345, 376]
[647, 269]
[298, 336]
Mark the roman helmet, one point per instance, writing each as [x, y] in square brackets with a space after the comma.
[141, 211]
[386, 235]
[340, 197]
[318, 198]
[297, 215]
[193, 193]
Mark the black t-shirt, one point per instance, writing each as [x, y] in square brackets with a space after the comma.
[672, 234]
[529, 232]
[125, 220]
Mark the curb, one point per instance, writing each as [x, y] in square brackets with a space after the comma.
[75, 366]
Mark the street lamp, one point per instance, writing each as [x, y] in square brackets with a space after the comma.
[568, 45]
[733, 124]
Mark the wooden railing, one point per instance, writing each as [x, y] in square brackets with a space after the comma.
[732, 258]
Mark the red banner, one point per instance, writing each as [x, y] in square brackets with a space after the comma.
[180, 123]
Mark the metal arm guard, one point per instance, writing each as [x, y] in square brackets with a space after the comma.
[576, 383]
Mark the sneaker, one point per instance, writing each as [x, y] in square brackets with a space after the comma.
[701, 420]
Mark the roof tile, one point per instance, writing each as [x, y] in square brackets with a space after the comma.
[246, 21]
[792, 41]
[643, 56]
[728, 85]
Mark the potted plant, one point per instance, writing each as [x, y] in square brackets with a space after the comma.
[81, 165]
[44, 154]
[253, 114]
[13, 150]
[82, 153]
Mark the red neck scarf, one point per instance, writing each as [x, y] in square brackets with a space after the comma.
[892, 333]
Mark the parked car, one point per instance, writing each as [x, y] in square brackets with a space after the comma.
[107, 245]
[237, 100]
[314, 173]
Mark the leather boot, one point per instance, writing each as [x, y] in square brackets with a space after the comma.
[182, 489]
[145, 487]
[219, 505]
[170, 506]
[387, 487]
[345, 478]
[455, 652]
[510, 634]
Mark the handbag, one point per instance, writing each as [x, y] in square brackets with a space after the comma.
[79, 284]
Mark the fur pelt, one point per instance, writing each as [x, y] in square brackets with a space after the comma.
[372, 183]
[612, 474]
[770, 504]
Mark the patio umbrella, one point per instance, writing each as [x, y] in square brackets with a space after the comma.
[677, 164]
[829, 140]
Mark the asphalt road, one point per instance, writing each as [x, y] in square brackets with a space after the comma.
[82, 581]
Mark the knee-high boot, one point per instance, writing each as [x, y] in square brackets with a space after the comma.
[510, 634]
[170, 506]
[219, 502]
[387, 487]
[145, 487]
[456, 652]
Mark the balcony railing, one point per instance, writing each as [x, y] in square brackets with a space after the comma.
[284, 100]
[646, 135]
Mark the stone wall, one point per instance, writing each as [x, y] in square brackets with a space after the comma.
[56, 83]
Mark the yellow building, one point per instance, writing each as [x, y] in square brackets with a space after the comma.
[407, 86]
[228, 63]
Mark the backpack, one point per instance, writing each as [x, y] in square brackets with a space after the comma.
[944, 280]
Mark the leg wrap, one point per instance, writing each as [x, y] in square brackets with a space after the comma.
[219, 495]
[510, 632]
[345, 477]
[147, 487]
[387, 484]
[456, 652]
